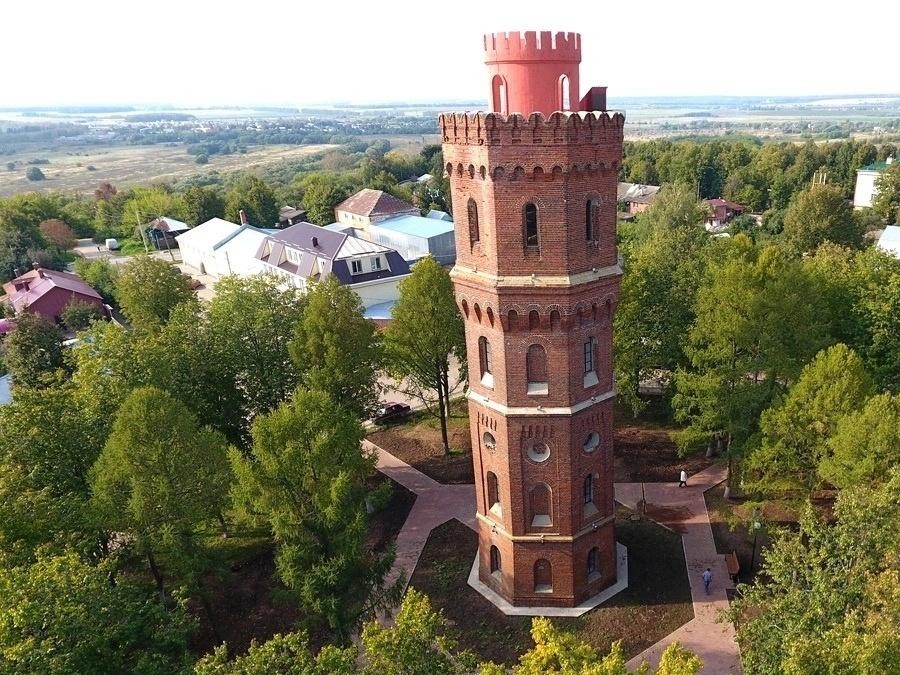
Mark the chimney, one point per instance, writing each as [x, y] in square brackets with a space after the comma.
[889, 160]
[35, 266]
[18, 272]
[40, 273]
[243, 217]
[315, 242]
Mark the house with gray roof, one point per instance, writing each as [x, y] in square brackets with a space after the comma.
[305, 253]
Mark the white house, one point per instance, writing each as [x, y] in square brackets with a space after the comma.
[199, 243]
[865, 183]
[889, 241]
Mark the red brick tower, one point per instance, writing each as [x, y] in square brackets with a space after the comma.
[537, 280]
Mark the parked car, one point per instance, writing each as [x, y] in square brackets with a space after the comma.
[391, 411]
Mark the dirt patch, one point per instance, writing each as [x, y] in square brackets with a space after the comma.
[386, 524]
[671, 516]
[649, 455]
[657, 601]
[250, 603]
[418, 443]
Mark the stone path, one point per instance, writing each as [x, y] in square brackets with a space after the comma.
[684, 510]
[681, 509]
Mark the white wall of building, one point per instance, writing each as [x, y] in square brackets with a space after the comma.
[865, 189]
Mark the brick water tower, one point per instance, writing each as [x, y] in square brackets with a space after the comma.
[533, 185]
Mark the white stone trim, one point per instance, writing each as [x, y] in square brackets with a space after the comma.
[532, 411]
[509, 610]
[536, 281]
[498, 528]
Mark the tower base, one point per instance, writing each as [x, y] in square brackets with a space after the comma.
[508, 609]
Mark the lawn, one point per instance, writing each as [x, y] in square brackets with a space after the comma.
[657, 601]
[418, 443]
[248, 600]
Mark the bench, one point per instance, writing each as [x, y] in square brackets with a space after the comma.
[734, 567]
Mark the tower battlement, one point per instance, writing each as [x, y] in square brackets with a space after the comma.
[532, 45]
[569, 128]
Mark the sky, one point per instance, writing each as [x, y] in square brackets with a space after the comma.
[203, 53]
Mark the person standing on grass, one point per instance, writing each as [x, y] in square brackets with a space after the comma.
[683, 481]
[707, 578]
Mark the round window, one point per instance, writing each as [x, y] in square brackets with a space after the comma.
[591, 441]
[537, 451]
[488, 440]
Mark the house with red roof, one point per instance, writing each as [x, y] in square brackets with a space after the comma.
[721, 213]
[368, 207]
[47, 292]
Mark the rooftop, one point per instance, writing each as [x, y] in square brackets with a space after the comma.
[877, 166]
[40, 282]
[368, 202]
[889, 240]
[208, 234]
[417, 226]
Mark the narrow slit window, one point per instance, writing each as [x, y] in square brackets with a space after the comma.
[530, 217]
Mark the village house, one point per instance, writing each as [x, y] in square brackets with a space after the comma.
[219, 247]
[721, 213]
[371, 206]
[866, 179]
[305, 253]
[635, 198]
[288, 215]
[163, 231]
[47, 292]
[889, 241]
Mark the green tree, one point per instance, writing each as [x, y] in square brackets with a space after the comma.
[663, 272]
[280, 655]
[882, 314]
[321, 193]
[148, 289]
[558, 651]
[758, 321]
[818, 214]
[306, 480]
[424, 337]
[101, 275]
[78, 315]
[886, 202]
[827, 599]
[202, 204]
[60, 615]
[148, 203]
[796, 432]
[255, 198]
[251, 324]
[417, 644]
[337, 350]
[34, 351]
[162, 479]
[866, 444]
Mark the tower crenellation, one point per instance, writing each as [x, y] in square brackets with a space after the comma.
[533, 186]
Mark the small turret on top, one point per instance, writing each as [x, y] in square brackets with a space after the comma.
[537, 72]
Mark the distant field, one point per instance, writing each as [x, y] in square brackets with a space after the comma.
[130, 165]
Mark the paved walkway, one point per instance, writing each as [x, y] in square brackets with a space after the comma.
[681, 509]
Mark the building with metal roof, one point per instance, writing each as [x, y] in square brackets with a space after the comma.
[889, 241]
[414, 237]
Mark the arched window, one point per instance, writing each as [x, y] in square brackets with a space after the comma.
[588, 489]
[473, 222]
[540, 506]
[534, 320]
[536, 369]
[543, 576]
[590, 220]
[493, 492]
[591, 442]
[593, 555]
[484, 360]
[589, 346]
[530, 225]
[555, 320]
[495, 560]
[564, 98]
[513, 318]
[499, 95]
[488, 440]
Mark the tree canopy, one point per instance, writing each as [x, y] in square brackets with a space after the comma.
[148, 289]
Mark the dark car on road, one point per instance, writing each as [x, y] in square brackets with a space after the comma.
[391, 411]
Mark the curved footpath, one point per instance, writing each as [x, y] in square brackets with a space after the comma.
[680, 509]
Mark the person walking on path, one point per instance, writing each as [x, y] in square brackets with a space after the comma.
[683, 481]
[707, 578]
